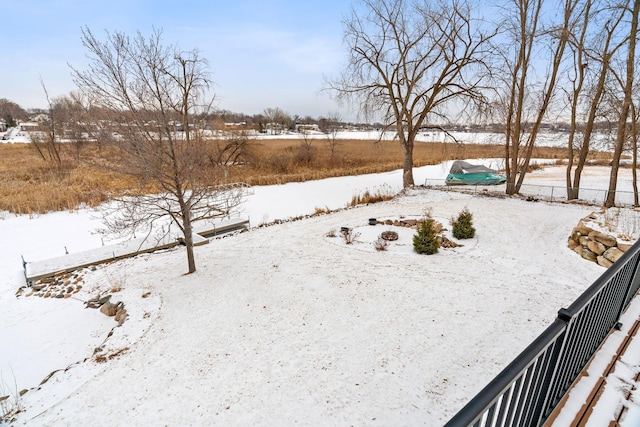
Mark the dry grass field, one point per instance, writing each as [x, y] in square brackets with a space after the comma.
[30, 184]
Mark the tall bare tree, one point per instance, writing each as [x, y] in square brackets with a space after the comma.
[627, 90]
[527, 103]
[149, 89]
[408, 61]
[593, 56]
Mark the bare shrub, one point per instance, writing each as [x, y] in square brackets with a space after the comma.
[321, 211]
[349, 235]
[280, 162]
[10, 401]
[381, 244]
[305, 153]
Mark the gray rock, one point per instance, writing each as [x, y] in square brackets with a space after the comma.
[121, 315]
[98, 301]
[110, 309]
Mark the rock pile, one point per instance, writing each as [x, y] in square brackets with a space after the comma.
[65, 286]
[596, 246]
[60, 286]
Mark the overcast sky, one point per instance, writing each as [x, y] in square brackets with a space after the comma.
[262, 53]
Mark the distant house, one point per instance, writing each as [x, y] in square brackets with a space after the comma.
[3, 126]
[307, 127]
[28, 126]
[40, 118]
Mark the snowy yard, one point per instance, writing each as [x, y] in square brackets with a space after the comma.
[285, 325]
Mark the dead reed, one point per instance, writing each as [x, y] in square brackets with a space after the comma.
[31, 185]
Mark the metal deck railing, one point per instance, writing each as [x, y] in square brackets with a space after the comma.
[527, 391]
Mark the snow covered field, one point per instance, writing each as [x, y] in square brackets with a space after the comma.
[545, 139]
[284, 325]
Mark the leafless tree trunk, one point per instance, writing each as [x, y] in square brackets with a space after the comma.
[330, 126]
[47, 137]
[625, 107]
[148, 88]
[408, 61]
[601, 54]
[634, 147]
[522, 121]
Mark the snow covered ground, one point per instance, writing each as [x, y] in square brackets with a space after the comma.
[283, 324]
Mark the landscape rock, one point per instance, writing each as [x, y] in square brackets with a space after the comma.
[588, 255]
[98, 301]
[602, 261]
[624, 247]
[613, 254]
[110, 309]
[596, 247]
[572, 244]
[121, 315]
[606, 239]
[582, 229]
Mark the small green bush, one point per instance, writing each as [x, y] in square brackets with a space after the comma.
[425, 241]
[463, 225]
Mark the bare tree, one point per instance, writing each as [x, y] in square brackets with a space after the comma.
[232, 148]
[627, 91]
[526, 103]
[10, 112]
[45, 139]
[593, 56]
[149, 89]
[330, 126]
[408, 61]
[306, 151]
[277, 120]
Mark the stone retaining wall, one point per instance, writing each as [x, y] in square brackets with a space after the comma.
[596, 246]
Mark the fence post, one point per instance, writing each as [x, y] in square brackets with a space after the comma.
[630, 286]
[565, 316]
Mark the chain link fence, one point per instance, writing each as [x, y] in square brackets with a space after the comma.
[540, 192]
